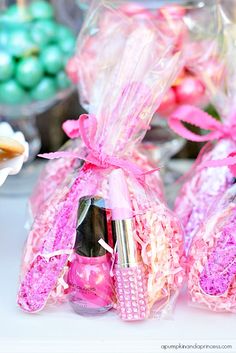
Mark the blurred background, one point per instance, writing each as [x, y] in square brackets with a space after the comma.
[39, 44]
[48, 119]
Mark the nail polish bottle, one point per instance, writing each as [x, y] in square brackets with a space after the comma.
[90, 284]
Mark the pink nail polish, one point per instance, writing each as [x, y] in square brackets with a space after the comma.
[90, 284]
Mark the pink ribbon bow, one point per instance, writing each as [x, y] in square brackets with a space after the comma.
[197, 117]
[85, 128]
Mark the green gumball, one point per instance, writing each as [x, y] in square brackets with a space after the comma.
[29, 72]
[16, 14]
[52, 59]
[68, 45]
[63, 32]
[46, 89]
[12, 93]
[7, 66]
[20, 44]
[66, 59]
[62, 80]
[48, 27]
[4, 36]
[39, 36]
[41, 10]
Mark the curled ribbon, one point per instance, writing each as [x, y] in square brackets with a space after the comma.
[197, 117]
[85, 128]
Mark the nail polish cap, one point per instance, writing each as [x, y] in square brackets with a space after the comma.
[91, 227]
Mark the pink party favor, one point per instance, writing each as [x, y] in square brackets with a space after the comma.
[209, 177]
[206, 202]
[72, 252]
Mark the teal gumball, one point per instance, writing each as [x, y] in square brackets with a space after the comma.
[39, 36]
[12, 93]
[29, 72]
[41, 10]
[46, 89]
[48, 27]
[52, 59]
[7, 66]
[66, 58]
[62, 80]
[68, 45]
[4, 36]
[16, 14]
[63, 32]
[20, 44]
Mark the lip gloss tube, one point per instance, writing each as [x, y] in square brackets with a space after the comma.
[129, 273]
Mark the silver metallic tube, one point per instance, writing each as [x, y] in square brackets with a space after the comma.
[126, 247]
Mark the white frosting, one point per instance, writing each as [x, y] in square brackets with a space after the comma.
[14, 165]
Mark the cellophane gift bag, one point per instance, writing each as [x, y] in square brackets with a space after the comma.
[206, 202]
[94, 49]
[212, 59]
[102, 238]
[98, 45]
[92, 43]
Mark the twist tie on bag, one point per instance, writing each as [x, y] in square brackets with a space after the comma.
[80, 128]
[218, 130]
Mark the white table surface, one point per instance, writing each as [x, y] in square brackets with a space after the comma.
[61, 330]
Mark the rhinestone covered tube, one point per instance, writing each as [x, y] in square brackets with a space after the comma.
[131, 293]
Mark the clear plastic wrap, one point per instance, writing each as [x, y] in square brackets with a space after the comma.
[169, 18]
[202, 186]
[212, 258]
[213, 62]
[206, 202]
[111, 189]
[95, 50]
[172, 18]
[104, 22]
